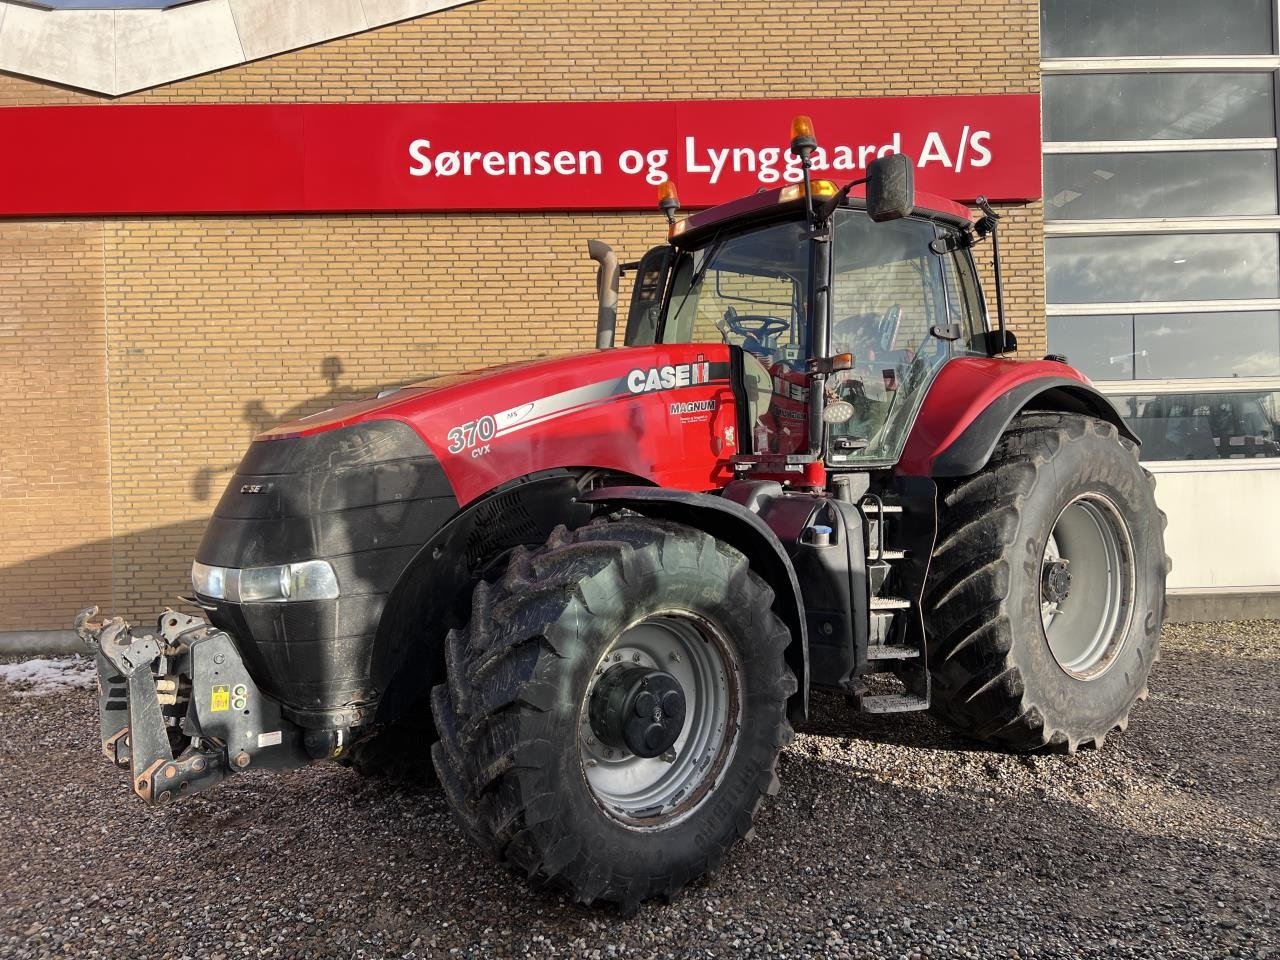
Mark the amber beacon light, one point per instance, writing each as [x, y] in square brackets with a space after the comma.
[668, 200]
[803, 141]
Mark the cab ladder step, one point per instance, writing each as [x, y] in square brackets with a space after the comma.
[890, 603]
[893, 703]
[891, 651]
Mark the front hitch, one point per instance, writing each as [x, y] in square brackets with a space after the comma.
[179, 709]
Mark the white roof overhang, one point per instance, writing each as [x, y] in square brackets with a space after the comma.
[119, 51]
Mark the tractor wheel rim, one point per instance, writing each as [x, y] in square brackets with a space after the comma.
[1086, 627]
[649, 793]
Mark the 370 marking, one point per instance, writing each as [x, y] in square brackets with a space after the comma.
[473, 435]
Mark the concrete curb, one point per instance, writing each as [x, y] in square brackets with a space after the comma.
[1222, 606]
[18, 643]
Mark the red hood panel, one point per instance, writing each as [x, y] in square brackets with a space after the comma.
[662, 413]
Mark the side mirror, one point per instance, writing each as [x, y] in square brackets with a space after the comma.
[891, 187]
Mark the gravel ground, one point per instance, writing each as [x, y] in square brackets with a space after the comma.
[891, 838]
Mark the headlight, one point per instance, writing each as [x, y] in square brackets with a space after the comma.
[308, 580]
[209, 581]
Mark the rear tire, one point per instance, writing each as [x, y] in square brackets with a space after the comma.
[1021, 655]
[521, 756]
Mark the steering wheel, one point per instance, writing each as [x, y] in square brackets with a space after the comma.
[755, 326]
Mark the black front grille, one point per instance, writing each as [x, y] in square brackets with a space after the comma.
[365, 498]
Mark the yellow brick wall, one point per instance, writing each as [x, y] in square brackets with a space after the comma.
[209, 329]
[54, 470]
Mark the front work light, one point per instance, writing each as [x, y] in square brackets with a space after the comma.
[307, 580]
[821, 189]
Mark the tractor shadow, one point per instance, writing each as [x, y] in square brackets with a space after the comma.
[135, 574]
[832, 715]
[258, 417]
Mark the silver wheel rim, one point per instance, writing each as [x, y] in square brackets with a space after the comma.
[1086, 629]
[646, 793]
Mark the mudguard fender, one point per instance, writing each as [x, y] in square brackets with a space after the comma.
[973, 401]
[745, 531]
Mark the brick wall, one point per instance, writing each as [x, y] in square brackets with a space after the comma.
[209, 329]
[54, 470]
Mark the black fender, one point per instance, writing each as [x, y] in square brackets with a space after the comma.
[744, 530]
[433, 593]
[973, 448]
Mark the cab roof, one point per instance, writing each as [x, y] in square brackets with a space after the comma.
[766, 204]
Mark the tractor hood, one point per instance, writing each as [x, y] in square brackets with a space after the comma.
[415, 395]
[665, 414]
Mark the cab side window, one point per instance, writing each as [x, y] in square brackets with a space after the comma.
[964, 299]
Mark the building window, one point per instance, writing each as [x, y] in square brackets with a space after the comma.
[1159, 106]
[1163, 267]
[1155, 28]
[1205, 183]
[1209, 425]
[1162, 215]
[1169, 346]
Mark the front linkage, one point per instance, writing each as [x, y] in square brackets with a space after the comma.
[180, 710]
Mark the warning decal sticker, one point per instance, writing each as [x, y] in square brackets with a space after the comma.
[220, 701]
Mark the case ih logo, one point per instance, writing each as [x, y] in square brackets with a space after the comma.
[668, 378]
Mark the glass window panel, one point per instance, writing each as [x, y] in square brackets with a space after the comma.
[1171, 266]
[1158, 106]
[1207, 345]
[1152, 28]
[1222, 183]
[1170, 346]
[1100, 347]
[1220, 425]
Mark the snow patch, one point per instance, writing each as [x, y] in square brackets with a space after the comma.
[40, 677]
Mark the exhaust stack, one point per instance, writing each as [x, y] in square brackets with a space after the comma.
[606, 290]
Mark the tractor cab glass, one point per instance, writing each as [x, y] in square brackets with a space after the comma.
[891, 296]
[749, 290]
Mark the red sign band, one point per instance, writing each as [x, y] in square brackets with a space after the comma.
[280, 158]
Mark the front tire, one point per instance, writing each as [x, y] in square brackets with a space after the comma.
[540, 754]
[1046, 593]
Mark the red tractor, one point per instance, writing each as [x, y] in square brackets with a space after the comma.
[593, 592]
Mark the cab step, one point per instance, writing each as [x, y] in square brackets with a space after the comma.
[893, 703]
[874, 504]
[891, 651]
[890, 603]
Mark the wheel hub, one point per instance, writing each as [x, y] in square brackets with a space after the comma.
[637, 709]
[1055, 583]
[1089, 556]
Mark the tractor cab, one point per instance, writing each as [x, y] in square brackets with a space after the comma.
[842, 310]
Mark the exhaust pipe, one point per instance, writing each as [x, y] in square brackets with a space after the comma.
[606, 290]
